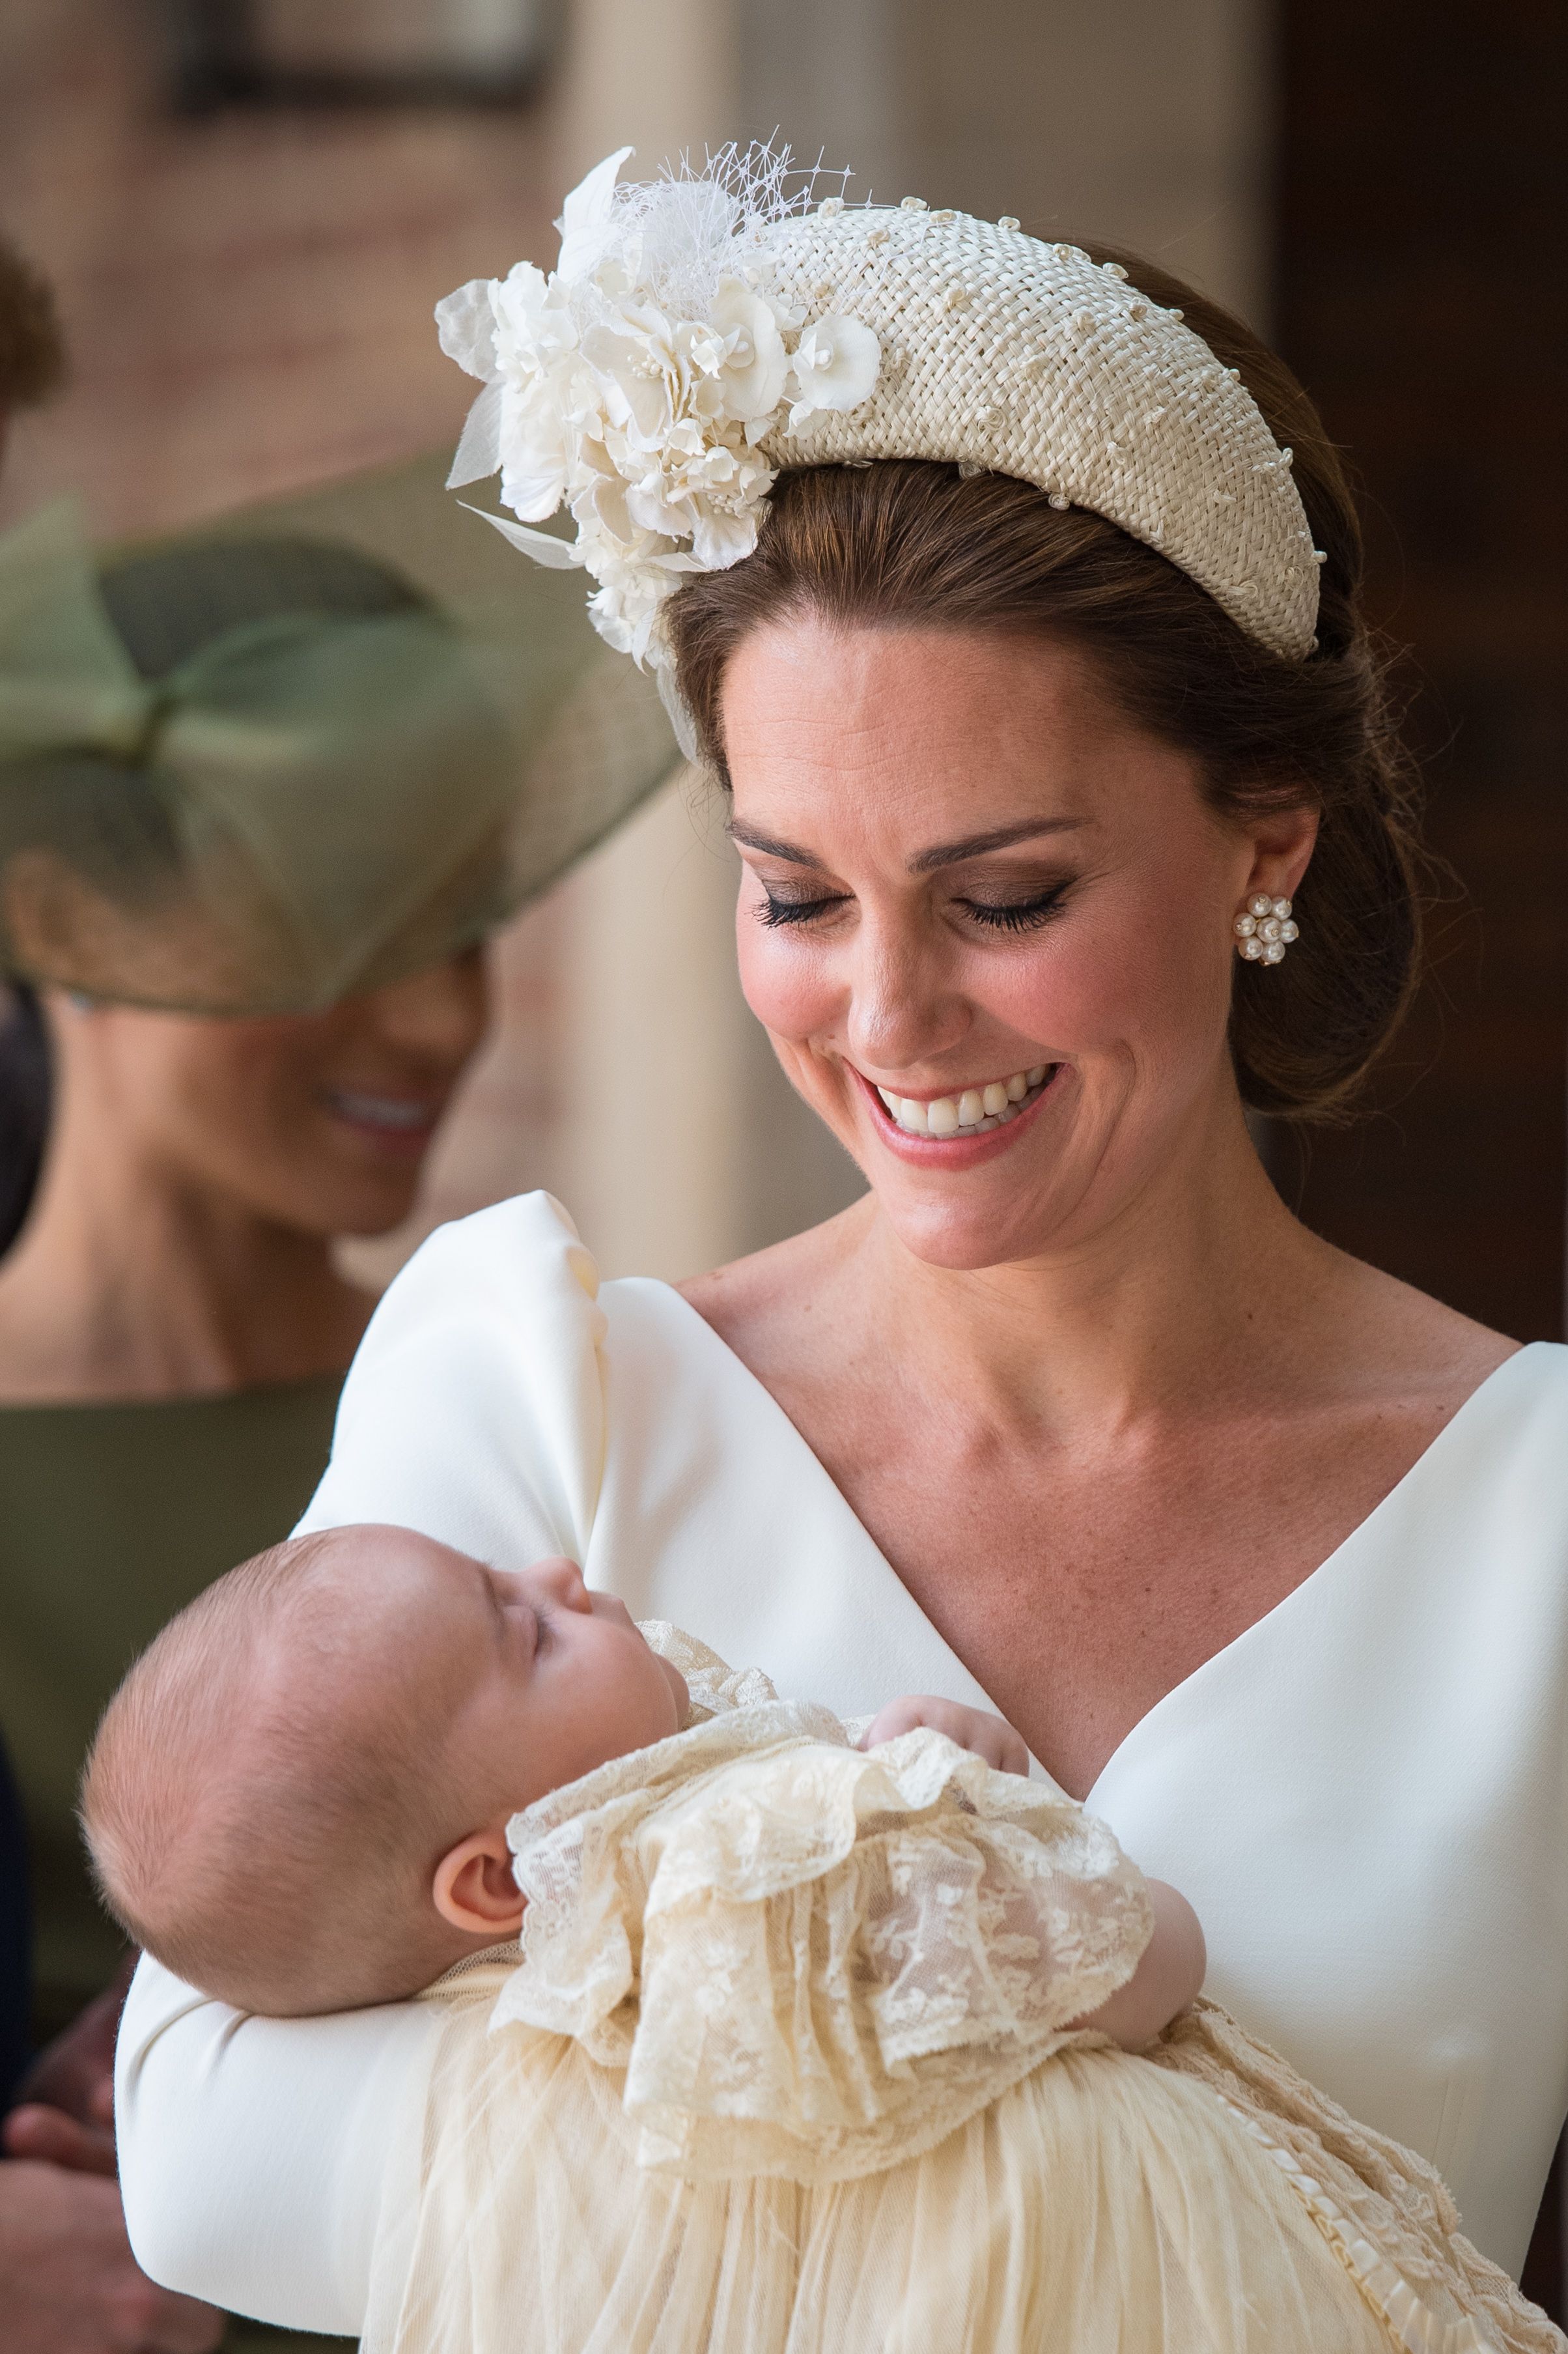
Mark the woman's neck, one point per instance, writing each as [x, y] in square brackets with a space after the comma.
[1190, 1278]
[1201, 1290]
[128, 1283]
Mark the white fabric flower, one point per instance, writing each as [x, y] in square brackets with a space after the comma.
[634, 387]
[836, 364]
[748, 366]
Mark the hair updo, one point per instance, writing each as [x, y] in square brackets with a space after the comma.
[912, 544]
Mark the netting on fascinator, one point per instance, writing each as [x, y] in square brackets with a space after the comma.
[701, 334]
[296, 755]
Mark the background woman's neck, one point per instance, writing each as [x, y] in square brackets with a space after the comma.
[132, 1282]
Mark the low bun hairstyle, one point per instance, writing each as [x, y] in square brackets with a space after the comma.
[912, 544]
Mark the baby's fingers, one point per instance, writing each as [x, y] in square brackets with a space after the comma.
[997, 1742]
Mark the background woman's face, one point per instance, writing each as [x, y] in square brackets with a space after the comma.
[317, 1122]
[965, 868]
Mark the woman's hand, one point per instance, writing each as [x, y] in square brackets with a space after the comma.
[974, 1729]
[69, 2283]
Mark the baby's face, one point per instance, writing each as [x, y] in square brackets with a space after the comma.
[526, 1678]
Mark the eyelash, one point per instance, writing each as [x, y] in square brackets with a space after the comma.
[791, 911]
[1017, 916]
[1020, 915]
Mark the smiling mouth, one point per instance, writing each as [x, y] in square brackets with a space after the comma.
[972, 1111]
[398, 1116]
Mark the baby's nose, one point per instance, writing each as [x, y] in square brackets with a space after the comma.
[561, 1582]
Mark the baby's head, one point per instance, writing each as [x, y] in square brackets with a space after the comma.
[298, 1798]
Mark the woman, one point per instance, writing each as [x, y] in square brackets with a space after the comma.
[1039, 688]
[262, 797]
[173, 1339]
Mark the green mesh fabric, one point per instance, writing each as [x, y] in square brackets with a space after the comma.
[298, 753]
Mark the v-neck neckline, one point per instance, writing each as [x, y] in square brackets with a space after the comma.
[1260, 1628]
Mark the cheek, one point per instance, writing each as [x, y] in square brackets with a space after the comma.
[1157, 980]
[245, 1100]
[785, 977]
[248, 1118]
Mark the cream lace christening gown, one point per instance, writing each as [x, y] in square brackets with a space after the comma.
[783, 2066]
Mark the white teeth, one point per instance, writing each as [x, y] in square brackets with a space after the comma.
[977, 1110]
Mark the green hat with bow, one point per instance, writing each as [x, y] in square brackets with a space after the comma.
[288, 758]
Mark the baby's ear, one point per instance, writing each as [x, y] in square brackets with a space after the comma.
[474, 1890]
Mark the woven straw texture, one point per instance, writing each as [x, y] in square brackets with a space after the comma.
[1028, 360]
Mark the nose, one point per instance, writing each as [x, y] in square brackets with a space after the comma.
[561, 1583]
[903, 1009]
[440, 1014]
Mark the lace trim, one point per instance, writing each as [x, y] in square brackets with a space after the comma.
[1412, 2323]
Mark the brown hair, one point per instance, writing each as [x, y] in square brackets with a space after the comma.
[913, 543]
[32, 354]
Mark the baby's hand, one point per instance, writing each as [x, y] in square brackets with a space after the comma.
[974, 1729]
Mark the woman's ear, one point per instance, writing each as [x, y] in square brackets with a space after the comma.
[474, 1890]
[1283, 842]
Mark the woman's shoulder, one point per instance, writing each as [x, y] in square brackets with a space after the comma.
[766, 1306]
[476, 1409]
[523, 1253]
[473, 1410]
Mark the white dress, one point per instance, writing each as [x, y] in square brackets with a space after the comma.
[1365, 1796]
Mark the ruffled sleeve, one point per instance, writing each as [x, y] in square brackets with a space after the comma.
[474, 1409]
[812, 1962]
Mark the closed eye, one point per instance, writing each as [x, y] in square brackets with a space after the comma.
[1017, 915]
[774, 911]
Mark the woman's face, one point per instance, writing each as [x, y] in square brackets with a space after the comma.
[315, 1121]
[972, 886]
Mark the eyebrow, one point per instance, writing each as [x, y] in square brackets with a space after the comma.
[926, 862]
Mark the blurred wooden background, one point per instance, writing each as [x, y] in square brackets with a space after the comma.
[1418, 275]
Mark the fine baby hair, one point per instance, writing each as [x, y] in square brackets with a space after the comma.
[263, 1799]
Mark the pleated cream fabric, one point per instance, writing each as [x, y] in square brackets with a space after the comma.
[785, 2066]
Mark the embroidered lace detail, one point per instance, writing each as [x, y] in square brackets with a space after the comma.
[810, 1961]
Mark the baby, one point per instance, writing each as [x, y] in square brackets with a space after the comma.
[804, 2045]
[300, 1802]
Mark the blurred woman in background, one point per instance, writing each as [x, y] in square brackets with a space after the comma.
[69, 2283]
[262, 801]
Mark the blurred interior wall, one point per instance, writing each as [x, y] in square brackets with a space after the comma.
[1146, 122]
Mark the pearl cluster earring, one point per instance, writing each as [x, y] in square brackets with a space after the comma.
[1265, 931]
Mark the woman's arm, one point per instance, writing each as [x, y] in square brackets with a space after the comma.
[256, 2153]
[253, 2152]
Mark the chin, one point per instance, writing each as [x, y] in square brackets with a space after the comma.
[369, 1219]
[332, 1208]
[968, 1238]
[1000, 1199]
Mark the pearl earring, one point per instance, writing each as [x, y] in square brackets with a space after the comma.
[1265, 931]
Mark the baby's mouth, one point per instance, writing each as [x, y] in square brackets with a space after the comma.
[972, 1111]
